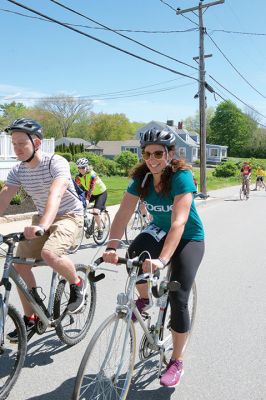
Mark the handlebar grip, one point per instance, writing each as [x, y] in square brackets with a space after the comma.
[97, 278]
[41, 232]
[123, 260]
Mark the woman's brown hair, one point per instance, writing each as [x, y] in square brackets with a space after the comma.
[141, 170]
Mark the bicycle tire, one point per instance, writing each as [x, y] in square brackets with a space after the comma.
[78, 240]
[109, 344]
[241, 194]
[166, 331]
[106, 224]
[13, 355]
[74, 327]
[134, 227]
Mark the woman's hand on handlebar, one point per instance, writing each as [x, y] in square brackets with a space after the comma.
[110, 256]
[151, 265]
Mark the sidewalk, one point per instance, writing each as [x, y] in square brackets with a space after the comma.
[16, 223]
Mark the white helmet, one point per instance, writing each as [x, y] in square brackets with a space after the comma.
[82, 162]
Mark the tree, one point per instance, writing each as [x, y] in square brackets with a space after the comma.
[230, 127]
[11, 111]
[126, 160]
[66, 111]
[110, 127]
[192, 123]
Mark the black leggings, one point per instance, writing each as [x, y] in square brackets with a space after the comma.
[184, 264]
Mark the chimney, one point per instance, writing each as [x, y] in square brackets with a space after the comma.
[180, 125]
[170, 122]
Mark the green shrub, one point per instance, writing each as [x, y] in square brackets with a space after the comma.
[226, 169]
[67, 156]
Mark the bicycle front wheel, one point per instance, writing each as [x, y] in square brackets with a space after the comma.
[134, 227]
[106, 223]
[12, 355]
[74, 327]
[107, 366]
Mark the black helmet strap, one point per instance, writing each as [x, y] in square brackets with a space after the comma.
[34, 150]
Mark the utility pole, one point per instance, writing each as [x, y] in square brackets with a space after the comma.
[202, 85]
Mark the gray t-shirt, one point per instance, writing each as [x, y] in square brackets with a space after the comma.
[37, 181]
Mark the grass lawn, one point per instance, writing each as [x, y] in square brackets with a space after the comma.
[116, 185]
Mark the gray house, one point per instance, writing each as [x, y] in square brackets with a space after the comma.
[188, 143]
[88, 146]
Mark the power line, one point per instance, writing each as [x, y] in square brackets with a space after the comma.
[100, 28]
[120, 34]
[238, 33]
[174, 9]
[232, 94]
[121, 94]
[239, 73]
[101, 41]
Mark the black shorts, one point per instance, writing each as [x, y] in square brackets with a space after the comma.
[259, 179]
[99, 200]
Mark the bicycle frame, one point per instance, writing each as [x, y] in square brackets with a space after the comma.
[126, 305]
[10, 272]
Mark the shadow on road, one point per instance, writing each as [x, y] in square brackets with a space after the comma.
[42, 351]
[64, 391]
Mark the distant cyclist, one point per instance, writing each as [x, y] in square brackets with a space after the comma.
[95, 189]
[245, 172]
[260, 173]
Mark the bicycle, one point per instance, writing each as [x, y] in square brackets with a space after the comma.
[90, 228]
[107, 366]
[138, 221]
[70, 328]
[244, 190]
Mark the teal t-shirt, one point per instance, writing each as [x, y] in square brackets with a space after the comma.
[160, 207]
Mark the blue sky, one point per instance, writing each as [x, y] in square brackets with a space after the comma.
[44, 59]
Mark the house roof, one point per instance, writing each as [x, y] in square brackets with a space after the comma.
[68, 140]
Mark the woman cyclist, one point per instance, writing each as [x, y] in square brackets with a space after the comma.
[175, 235]
[95, 190]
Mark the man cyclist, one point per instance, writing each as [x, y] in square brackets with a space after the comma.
[95, 189]
[260, 173]
[59, 218]
[246, 173]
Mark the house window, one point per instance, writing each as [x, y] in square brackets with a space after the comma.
[223, 152]
[132, 149]
[194, 152]
[213, 152]
[182, 152]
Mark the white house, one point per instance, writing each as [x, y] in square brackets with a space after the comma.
[8, 157]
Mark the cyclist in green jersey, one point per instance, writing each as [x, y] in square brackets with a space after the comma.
[95, 189]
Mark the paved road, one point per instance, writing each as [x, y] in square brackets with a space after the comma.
[226, 358]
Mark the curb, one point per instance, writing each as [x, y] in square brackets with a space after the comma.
[16, 217]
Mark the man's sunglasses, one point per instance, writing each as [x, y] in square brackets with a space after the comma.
[156, 154]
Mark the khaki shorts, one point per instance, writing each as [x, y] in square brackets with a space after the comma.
[61, 236]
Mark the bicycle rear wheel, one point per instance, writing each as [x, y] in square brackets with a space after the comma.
[106, 223]
[74, 327]
[107, 366]
[166, 331]
[134, 227]
[12, 355]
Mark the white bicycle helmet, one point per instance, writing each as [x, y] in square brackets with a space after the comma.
[82, 162]
[155, 136]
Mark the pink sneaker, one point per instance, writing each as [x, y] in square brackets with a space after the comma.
[141, 305]
[173, 373]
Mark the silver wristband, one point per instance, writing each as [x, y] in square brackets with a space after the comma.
[164, 262]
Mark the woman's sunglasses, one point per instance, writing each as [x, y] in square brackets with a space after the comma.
[156, 154]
